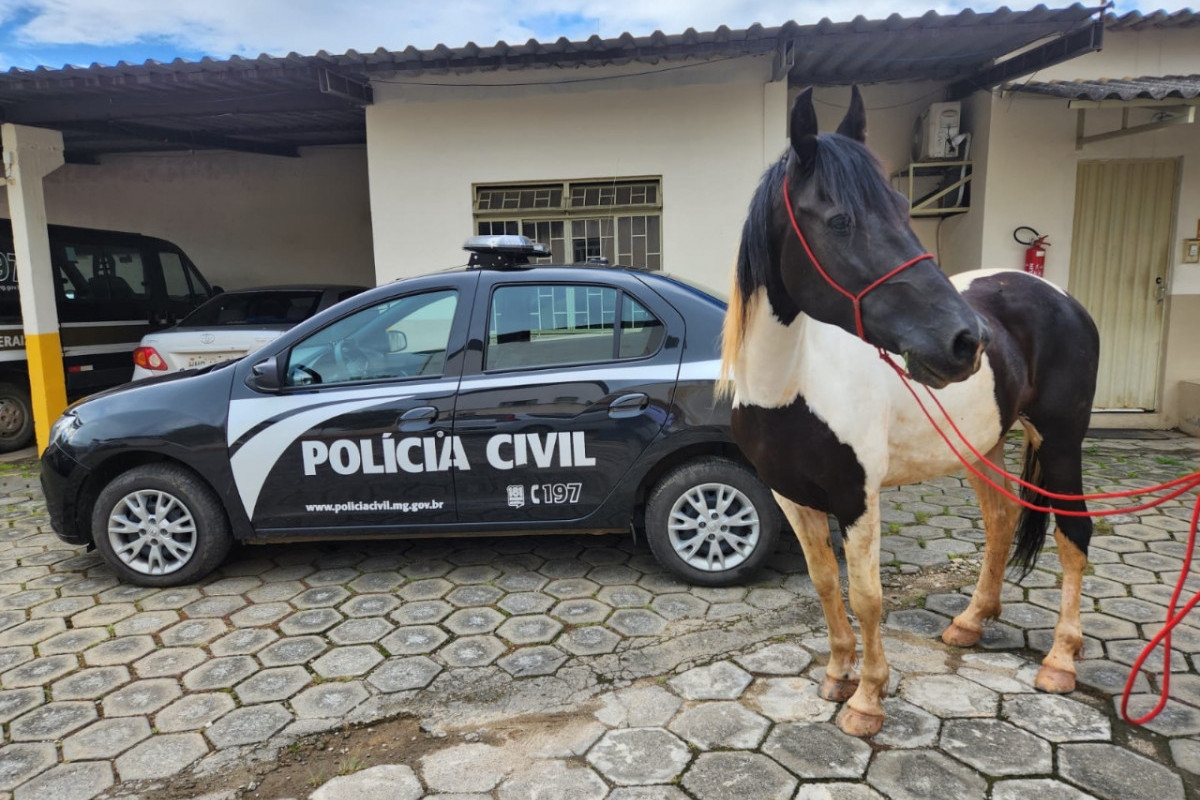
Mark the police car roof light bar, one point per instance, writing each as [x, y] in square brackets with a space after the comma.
[503, 251]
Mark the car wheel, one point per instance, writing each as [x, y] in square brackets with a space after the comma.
[712, 522]
[160, 525]
[16, 417]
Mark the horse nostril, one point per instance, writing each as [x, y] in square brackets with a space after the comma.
[966, 345]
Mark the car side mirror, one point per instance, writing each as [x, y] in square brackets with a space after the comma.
[264, 376]
[216, 290]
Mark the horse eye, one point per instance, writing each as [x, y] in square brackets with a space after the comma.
[839, 223]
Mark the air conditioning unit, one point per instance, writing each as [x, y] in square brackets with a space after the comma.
[936, 133]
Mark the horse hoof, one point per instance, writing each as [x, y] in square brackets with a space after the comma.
[1054, 680]
[838, 691]
[958, 636]
[856, 723]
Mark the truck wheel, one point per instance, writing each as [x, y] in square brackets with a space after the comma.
[160, 525]
[712, 522]
[16, 417]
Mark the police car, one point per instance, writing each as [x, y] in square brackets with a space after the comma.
[501, 398]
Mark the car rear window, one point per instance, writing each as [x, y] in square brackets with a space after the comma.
[254, 308]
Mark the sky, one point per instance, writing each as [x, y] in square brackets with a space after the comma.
[53, 33]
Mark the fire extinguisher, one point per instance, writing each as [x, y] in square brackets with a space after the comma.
[1035, 249]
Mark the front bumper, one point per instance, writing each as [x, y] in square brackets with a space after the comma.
[62, 482]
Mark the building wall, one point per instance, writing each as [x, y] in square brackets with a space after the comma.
[709, 136]
[1025, 175]
[244, 219]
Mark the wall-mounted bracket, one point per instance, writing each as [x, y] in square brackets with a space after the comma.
[1180, 115]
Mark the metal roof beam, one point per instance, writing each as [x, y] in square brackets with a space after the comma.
[184, 139]
[54, 113]
[1076, 43]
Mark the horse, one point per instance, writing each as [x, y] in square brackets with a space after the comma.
[829, 277]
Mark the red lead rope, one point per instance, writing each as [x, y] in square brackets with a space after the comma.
[1180, 485]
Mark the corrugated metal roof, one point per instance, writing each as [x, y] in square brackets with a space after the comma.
[276, 104]
[1136, 21]
[1147, 87]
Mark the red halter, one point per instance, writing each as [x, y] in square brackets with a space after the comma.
[856, 299]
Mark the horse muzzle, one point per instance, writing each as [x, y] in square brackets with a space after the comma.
[956, 361]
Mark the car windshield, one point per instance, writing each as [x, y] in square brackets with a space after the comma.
[254, 308]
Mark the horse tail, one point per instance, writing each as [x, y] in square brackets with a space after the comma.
[733, 332]
[1031, 525]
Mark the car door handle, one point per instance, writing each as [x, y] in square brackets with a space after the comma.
[628, 405]
[417, 419]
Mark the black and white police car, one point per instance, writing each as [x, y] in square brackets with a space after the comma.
[498, 399]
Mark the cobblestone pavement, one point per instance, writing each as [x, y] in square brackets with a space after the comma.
[573, 667]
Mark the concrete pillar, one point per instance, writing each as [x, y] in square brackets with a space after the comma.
[31, 154]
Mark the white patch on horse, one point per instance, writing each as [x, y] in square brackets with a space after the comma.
[865, 405]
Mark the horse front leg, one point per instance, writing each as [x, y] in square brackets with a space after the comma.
[999, 523]
[863, 713]
[812, 529]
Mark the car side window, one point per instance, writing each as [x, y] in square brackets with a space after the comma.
[402, 338]
[112, 282]
[533, 326]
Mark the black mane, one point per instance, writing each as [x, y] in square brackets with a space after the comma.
[850, 178]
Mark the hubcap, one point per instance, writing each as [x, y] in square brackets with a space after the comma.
[713, 527]
[152, 532]
[12, 417]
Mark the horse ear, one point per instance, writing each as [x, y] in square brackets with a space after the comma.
[804, 130]
[854, 126]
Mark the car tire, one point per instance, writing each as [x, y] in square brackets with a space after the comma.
[196, 538]
[740, 525]
[16, 417]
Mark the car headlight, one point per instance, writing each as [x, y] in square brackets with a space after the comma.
[63, 427]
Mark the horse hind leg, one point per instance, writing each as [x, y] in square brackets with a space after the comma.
[812, 529]
[1000, 516]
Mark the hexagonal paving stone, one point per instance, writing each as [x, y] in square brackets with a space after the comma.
[145, 622]
[614, 575]
[62, 607]
[638, 707]
[1175, 719]
[243, 641]
[464, 768]
[161, 757]
[480, 573]
[565, 569]
[570, 588]
[906, 726]
[1056, 718]
[719, 681]
[248, 725]
[103, 615]
[680, 606]
[1041, 788]
[624, 596]
[214, 607]
[1114, 773]
[169, 661]
[403, 674]
[523, 582]
[229, 586]
[260, 614]
[141, 697]
[52, 721]
[620, 756]
[528, 662]
[477, 595]
[316, 620]
[721, 725]
[996, 748]
[14, 702]
[529, 629]
[432, 589]
[15, 656]
[273, 684]
[124, 650]
[382, 581]
[817, 750]
[414, 640]
[949, 696]
[783, 658]
[737, 776]
[369, 605]
[589, 640]
[106, 738]
[581, 612]
[80, 781]
[193, 712]
[344, 662]
[32, 632]
[913, 774]
[20, 762]
[473, 621]
[193, 632]
[472, 651]
[329, 700]
[320, 597]
[790, 700]
[425, 566]
[636, 622]
[420, 613]
[39, 671]
[220, 673]
[90, 684]
[292, 650]
[360, 631]
[526, 603]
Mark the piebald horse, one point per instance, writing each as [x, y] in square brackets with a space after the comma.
[827, 423]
